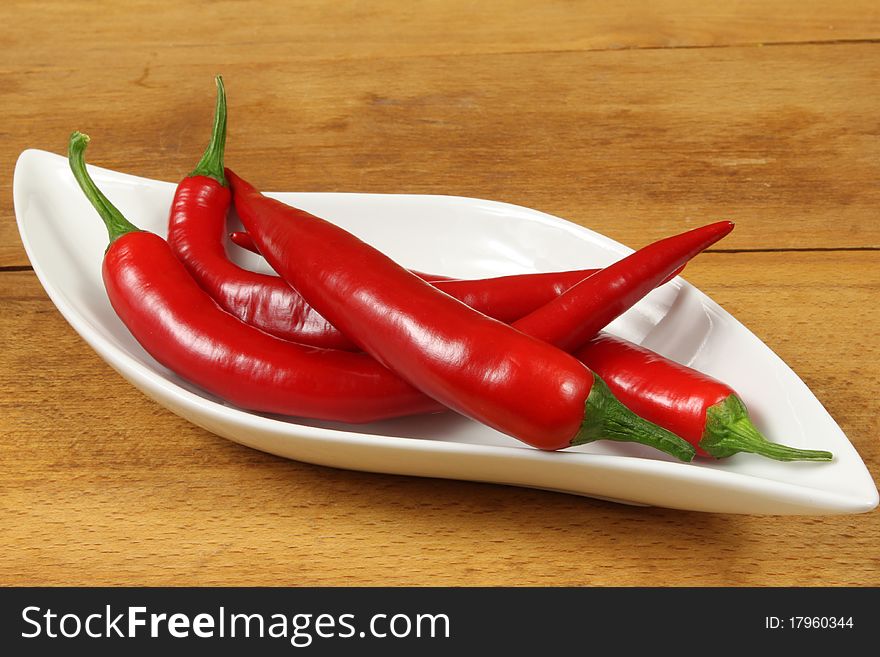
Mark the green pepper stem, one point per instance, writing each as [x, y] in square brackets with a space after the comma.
[729, 430]
[211, 164]
[116, 224]
[606, 418]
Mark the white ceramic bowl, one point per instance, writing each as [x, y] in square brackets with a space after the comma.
[65, 241]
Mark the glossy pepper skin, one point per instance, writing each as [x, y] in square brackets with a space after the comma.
[242, 239]
[573, 318]
[182, 328]
[505, 298]
[185, 330]
[702, 410]
[196, 231]
[179, 325]
[197, 225]
[471, 363]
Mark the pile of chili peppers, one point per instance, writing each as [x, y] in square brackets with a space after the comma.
[344, 333]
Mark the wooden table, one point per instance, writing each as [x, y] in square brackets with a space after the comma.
[635, 119]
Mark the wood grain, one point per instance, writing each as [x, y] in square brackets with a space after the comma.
[208, 31]
[637, 119]
[633, 143]
[102, 486]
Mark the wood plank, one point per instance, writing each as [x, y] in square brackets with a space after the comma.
[106, 487]
[202, 30]
[635, 144]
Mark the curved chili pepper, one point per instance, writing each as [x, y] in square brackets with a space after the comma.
[270, 304]
[241, 239]
[195, 227]
[702, 410]
[573, 318]
[471, 363]
[506, 298]
[185, 330]
[195, 233]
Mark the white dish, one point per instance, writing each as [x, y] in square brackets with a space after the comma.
[65, 241]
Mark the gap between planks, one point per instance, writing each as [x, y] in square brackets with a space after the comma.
[814, 249]
[693, 46]
[557, 51]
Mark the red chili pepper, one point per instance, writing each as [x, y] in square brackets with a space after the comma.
[185, 330]
[195, 234]
[506, 298]
[702, 410]
[473, 364]
[270, 304]
[197, 223]
[573, 318]
[241, 239]
[705, 412]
